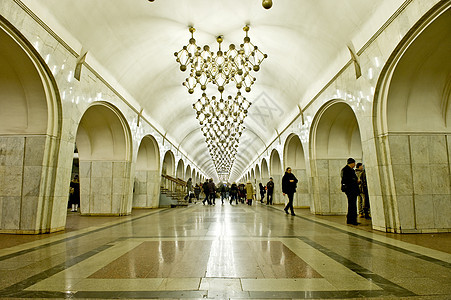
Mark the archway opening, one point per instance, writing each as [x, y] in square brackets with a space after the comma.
[276, 173]
[335, 137]
[146, 188]
[180, 169]
[30, 134]
[168, 167]
[103, 143]
[295, 159]
[413, 121]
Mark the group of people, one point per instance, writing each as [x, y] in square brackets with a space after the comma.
[245, 192]
[354, 185]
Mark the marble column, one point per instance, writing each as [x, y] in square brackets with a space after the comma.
[328, 198]
[414, 192]
[147, 189]
[105, 188]
[302, 195]
[32, 196]
[277, 196]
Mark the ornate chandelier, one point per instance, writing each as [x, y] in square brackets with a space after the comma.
[221, 119]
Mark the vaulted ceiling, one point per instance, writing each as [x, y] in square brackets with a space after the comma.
[134, 43]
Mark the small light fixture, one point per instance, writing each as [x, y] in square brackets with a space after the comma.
[267, 4]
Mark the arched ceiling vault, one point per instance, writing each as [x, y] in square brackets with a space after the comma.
[134, 43]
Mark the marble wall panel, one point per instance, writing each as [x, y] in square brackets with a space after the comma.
[424, 212]
[377, 211]
[406, 212]
[11, 213]
[28, 213]
[419, 148]
[442, 211]
[338, 204]
[437, 149]
[102, 169]
[34, 150]
[399, 149]
[13, 151]
[277, 195]
[422, 183]
[402, 175]
[440, 179]
[32, 180]
[13, 181]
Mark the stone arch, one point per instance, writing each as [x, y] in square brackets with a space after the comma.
[147, 177]
[104, 148]
[334, 137]
[180, 169]
[412, 130]
[188, 173]
[294, 158]
[168, 167]
[276, 173]
[36, 183]
[253, 176]
[265, 170]
[258, 175]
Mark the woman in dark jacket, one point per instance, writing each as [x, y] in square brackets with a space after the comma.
[262, 192]
[289, 182]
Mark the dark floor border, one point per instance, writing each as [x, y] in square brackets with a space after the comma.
[15, 254]
[385, 284]
[395, 248]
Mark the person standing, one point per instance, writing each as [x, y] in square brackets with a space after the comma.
[74, 197]
[262, 192]
[350, 186]
[212, 192]
[234, 193]
[249, 192]
[364, 205]
[269, 190]
[197, 191]
[206, 192]
[189, 188]
[289, 182]
[223, 191]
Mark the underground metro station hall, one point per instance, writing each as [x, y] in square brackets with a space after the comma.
[275, 149]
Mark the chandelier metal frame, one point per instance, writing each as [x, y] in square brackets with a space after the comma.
[221, 120]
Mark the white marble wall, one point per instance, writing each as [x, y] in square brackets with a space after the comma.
[30, 193]
[326, 184]
[105, 188]
[421, 173]
[302, 196]
[278, 198]
[147, 189]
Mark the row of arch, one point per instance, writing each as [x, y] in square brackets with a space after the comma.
[403, 139]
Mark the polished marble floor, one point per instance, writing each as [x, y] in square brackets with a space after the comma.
[223, 252]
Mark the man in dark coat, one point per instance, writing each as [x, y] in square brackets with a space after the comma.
[350, 186]
[212, 191]
[289, 182]
[270, 190]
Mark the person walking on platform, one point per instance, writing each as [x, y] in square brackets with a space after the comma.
[249, 192]
[262, 192]
[269, 190]
[234, 193]
[289, 182]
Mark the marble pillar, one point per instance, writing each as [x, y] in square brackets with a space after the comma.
[416, 184]
[328, 199]
[278, 198]
[302, 195]
[146, 189]
[105, 188]
[31, 194]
